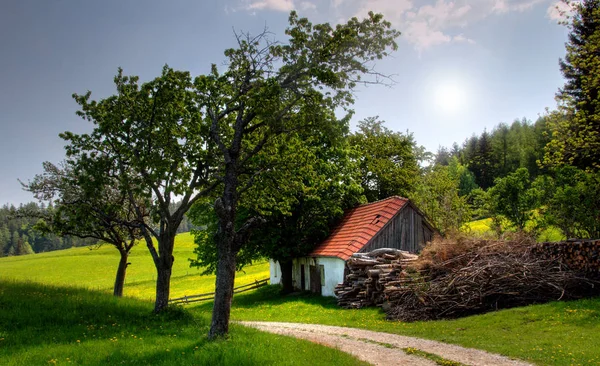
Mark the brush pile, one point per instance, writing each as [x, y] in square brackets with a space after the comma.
[458, 277]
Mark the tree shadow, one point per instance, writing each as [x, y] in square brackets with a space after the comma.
[271, 295]
[34, 314]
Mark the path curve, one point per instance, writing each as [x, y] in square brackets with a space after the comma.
[380, 348]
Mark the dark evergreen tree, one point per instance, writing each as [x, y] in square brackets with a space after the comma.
[576, 125]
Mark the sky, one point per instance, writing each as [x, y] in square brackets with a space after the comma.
[462, 66]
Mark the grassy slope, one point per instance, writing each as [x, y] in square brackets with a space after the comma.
[71, 267]
[44, 325]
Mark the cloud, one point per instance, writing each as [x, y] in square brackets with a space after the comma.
[277, 5]
[305, 5]
[461, 38]
[426, 24]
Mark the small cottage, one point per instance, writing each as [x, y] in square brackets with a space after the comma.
[394, 222]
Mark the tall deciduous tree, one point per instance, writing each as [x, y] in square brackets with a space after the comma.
[313, 179]
[153, 141]
[437, 195]
[514, 198]
[387, 160]
[573, 202]
[270, 89]
[576, 125]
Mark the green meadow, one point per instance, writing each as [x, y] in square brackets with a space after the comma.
[95, 268]
[48, 325]
[57, 309]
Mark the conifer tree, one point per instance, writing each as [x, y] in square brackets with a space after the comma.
[576, 125]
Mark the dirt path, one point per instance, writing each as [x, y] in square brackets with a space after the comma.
[383, 348]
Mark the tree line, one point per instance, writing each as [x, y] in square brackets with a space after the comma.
[19, 234]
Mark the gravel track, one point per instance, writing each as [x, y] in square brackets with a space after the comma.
[380, 348]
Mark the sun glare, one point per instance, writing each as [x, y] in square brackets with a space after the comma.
[449, 98]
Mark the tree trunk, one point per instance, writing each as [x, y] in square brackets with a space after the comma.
[225, 208]
[286, 277]
[121, 271]
[164, 269]
[223, 293]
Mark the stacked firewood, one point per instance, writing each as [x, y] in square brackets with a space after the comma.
[582, 255]
[369, 274]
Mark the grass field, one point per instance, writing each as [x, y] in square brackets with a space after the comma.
[561, 333]
[45, 325]
[73, 267]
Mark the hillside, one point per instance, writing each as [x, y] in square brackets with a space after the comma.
[94, 268]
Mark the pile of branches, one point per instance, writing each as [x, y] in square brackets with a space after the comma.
[454, 278]
[369, 274]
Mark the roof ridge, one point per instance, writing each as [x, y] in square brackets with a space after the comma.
[383, 199]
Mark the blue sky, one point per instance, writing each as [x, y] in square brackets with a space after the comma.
[461, 66]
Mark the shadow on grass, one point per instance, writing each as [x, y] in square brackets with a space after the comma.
[52, 325]
[34, 314]
[271, 295]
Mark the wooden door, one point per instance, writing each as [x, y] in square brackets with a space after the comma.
[315, 280]
[302, 278]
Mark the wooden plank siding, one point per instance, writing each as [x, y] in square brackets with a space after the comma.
[407, 230]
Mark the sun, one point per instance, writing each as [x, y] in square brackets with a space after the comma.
[449, 97]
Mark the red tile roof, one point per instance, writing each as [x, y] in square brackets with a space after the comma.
[358, 227]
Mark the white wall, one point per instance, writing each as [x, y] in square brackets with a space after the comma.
[334, 274]
[333, 268]
[275, 272]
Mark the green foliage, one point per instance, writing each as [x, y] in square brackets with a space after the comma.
[506, 148]
[460, 173]
[514, 198]
[328, 186]
[576, 125]
[573, 202]
[387, 160]
[437, 195]
[309, 185]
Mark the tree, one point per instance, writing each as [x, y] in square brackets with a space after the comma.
[152, 140]
[386, 160]
[437, 195]
[575, 125]
[483, 162]
[573, 202]
[320, 182]
[174, 137]
[514, 198]
[465, 178]
[270, 89]
[88, 209]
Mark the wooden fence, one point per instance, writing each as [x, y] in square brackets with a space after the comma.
[211, 295]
